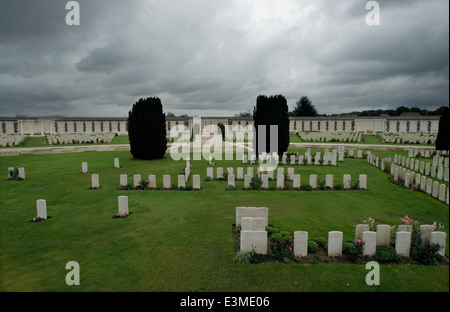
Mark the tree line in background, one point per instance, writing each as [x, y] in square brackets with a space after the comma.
[304, 108]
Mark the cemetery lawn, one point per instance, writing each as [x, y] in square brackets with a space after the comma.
[40, 141]
[369, 139]
[183, 240]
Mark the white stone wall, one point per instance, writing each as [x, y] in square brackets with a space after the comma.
[335, 124]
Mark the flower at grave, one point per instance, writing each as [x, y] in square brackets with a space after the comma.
[358, 241]
[290, 248]
[406, 219]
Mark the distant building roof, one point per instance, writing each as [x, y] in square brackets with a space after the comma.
[384, 115]
[410, 114]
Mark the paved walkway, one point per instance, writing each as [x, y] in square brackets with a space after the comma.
[124, 147]
[62, 149]
[372, 147]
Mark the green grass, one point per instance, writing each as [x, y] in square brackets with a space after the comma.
[182, 240]
[369, 139]
[42, 142]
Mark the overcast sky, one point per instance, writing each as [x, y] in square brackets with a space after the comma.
[214, 57]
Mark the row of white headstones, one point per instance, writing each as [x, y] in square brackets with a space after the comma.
[320, 158]
[253, 222]
[296, 178]
[411, 178]
[439, 169]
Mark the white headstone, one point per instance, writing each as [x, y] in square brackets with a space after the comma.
[439, 238]
[152, 181]
[231, 180]
[247, 180]
[254, 241]
[363, 181]
[166, 181]
[296, 181]
[423, 183]
[116, 163]
[41, 207]
[253, 212]
[403, 243]
[359, 229]
[300, 243]
[84, 167]
[347, 181]
[405, 228]
[196, 182]
[95, 181]
[210, 172]
[292, 159]
[123, 179]
[181, 181]
[253, 224]
[329, 181]
[425, 232]
[335, 240]
[435, 192]
[136, 180]
[313, 181]
[442, 192]
[369, 239]
[265, 181]
[123, 205]
[219, 172]
[280, 181]
[22, 173]
[429, 186]
[240, 173]
[383, 235]
[407, 180]
[250, 171]
[290, 173]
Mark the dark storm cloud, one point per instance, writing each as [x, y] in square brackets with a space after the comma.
[207, 57]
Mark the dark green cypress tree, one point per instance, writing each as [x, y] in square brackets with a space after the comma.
[443, 138]
[269, 111]
[147, 129]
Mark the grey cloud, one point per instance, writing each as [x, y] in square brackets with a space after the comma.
[211, 57]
